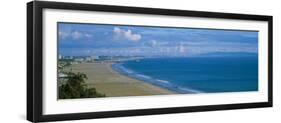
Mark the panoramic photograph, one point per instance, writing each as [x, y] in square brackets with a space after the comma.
[107, 60]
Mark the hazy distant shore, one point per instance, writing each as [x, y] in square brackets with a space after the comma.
[112, 84]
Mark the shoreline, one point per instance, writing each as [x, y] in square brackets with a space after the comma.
[156, 82]
[110, 82]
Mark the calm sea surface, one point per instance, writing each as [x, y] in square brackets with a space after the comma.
[195, 75]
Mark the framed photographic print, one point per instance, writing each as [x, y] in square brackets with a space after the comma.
[95, 61]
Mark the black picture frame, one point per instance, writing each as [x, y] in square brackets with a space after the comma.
[35, 69]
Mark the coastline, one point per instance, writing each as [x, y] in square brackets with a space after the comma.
[112, 83]
[118, 67]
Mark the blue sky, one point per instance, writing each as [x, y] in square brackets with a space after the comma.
[93, 39]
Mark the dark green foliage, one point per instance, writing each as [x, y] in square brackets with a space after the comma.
[75, 87]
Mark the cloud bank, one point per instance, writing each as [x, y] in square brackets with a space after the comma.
[123, 34]
[75, 35]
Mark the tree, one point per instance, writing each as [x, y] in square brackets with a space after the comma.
[75, 87]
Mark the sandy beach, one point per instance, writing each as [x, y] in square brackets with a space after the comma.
[109, 82]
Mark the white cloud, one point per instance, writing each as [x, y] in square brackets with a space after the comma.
[63, 34]
[120, 33]
[74, 35]
[181, 49]
[88, 35]
[151, 43]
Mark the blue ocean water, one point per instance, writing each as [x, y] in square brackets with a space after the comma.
[195, 74]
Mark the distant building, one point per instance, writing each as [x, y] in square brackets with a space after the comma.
[62, 75]
[94, 57]
[67, 57]
[60, 56]
[79, 59]
[88, 59]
